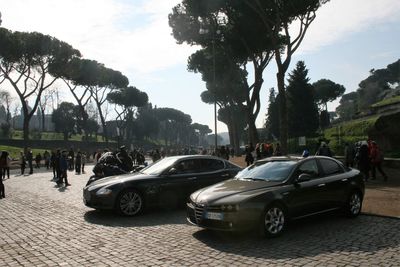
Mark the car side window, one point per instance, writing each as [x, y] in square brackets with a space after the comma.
[309, 167]
[211, 165]
[187, 166]
[330, 167]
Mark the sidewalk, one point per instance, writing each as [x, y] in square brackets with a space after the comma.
[381, 198]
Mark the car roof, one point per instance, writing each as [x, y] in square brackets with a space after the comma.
[194, 157]
[202, 157]
[293, 158]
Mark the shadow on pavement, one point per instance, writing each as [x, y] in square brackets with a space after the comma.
[310, 237]
[148, 218]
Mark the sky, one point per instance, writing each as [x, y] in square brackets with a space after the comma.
[347, 39]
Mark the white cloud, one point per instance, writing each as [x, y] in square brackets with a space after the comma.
[340, 18]
[108, 31]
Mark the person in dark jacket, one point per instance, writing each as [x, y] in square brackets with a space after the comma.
[249, 156]
[78, 162]
[123, 156]
[22, 162]
[63, 169]
[38, 159]
[71, 159]
[53, 164]
[29, 158]
[363, 160]
[324, 150]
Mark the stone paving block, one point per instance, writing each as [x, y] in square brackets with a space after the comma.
[42, 226]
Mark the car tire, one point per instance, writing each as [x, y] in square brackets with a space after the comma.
[130, 203]
[273, 221]
[353, 205]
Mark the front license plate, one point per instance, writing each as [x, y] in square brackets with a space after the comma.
[214, 216]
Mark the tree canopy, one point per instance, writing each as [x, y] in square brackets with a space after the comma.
[302, 109]
[25, 60]
[326, 91]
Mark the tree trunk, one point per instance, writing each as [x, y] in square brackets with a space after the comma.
[43, 120]
[282, 112]
[103, 123]
[26, 131]
[236, 143]
[251, 120]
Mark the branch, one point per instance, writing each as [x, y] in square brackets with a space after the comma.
[308, 22]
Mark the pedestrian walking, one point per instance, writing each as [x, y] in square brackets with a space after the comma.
[29, 158]
[83, 162]
[249, 156]
[38, 159]
[376, 161]
[349, 155]
[5, 163]
[2, 189]
[22, 162]
[277, 151]
[363, 160]
[57, 165]
[63, 169]
[78, 162]
[71, 159]
[46, 157]
[53, 164]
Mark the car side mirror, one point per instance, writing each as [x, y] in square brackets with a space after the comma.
[304, 177]
[173, 171]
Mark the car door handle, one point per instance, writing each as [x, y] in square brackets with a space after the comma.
[321, 185]
[344, 180]
[192, 178]
[225, 175]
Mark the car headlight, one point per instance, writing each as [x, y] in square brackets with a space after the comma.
[230, 207]
[104, 192]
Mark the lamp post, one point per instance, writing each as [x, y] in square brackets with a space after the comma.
[215, 99]
[205, 31]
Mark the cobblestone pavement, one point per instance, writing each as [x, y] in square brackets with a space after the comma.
[42, 225]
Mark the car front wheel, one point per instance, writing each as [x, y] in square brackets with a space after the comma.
[274, 220]
[130, 203]
[354, 204]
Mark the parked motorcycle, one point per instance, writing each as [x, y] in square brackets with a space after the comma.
[109, 165]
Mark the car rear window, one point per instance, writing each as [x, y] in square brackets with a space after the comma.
[330, 167]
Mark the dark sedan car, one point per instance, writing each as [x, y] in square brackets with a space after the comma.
[165, 183]
[270, 192]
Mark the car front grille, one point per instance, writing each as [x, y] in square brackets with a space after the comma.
[198, 211]
[86, 195]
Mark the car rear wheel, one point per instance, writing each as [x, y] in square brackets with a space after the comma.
[354, 204]
[130, 203]
[274, 220]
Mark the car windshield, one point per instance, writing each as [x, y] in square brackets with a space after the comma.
[159, 166]
[267, 171]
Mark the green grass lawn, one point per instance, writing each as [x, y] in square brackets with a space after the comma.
[18, 134]
[15, 151]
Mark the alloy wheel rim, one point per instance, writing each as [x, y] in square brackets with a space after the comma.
[131, 203]
[274, 220]
[355, 204]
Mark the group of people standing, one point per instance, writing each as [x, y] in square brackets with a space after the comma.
[64, 161]
[367, 156]
[262, 150]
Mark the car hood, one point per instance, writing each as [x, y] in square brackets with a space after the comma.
[137, 176]
[232, 191]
